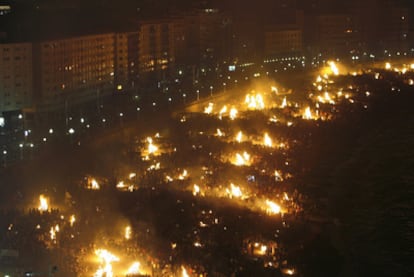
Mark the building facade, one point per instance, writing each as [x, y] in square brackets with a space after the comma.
[156, 47]
[16, 76]
[282, 41]
[73, 69]
[336, 34]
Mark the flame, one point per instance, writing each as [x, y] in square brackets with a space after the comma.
[134, 268]
[272, 207]
[274, 89]
[246, 156]
[387, 66]
[43, 205]
[184, 272]
[155, 166]
[288, 271]
[307, 114]
[53, 230]
[284, 103]
[326, 98]
[233, 113]
[319, 79]
[278, 176]
[223, 110]
[106, 259]
[151, 147]
[234, 191]
[267, 141]
[196, 190]
[243, 159]
[262, 250]
[93, 184]
[120, 185]
[254, 102]
[273, 119]
[239, 136]
[72, 220]
[132, 175]
[183, 175]
[127, 232]
[209, 108]
[219, 133]
[333, 67]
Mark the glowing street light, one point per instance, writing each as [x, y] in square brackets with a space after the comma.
[4, 158]
[21, 150]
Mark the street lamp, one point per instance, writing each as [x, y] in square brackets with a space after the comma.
[198, 94]
[138, 110]
[71, 131]
[21, 151]
[121, 115]
[4, 158]
[211, 91]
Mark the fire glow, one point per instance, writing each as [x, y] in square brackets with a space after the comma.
[127, 232]
[134, 269]
[43, 204]
[254, 102]
[234, 191]
[242, 159]
[106, 259]
[272, 207]
[267, 141]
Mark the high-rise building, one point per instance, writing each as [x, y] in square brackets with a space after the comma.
[156, 51]
[16, 77]
[73, 70]
[179, 39]
[383, 24]
[201, 36]
[126, 60]
[395, 27]
[214, 27]
[336, 34]
[282, 40]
